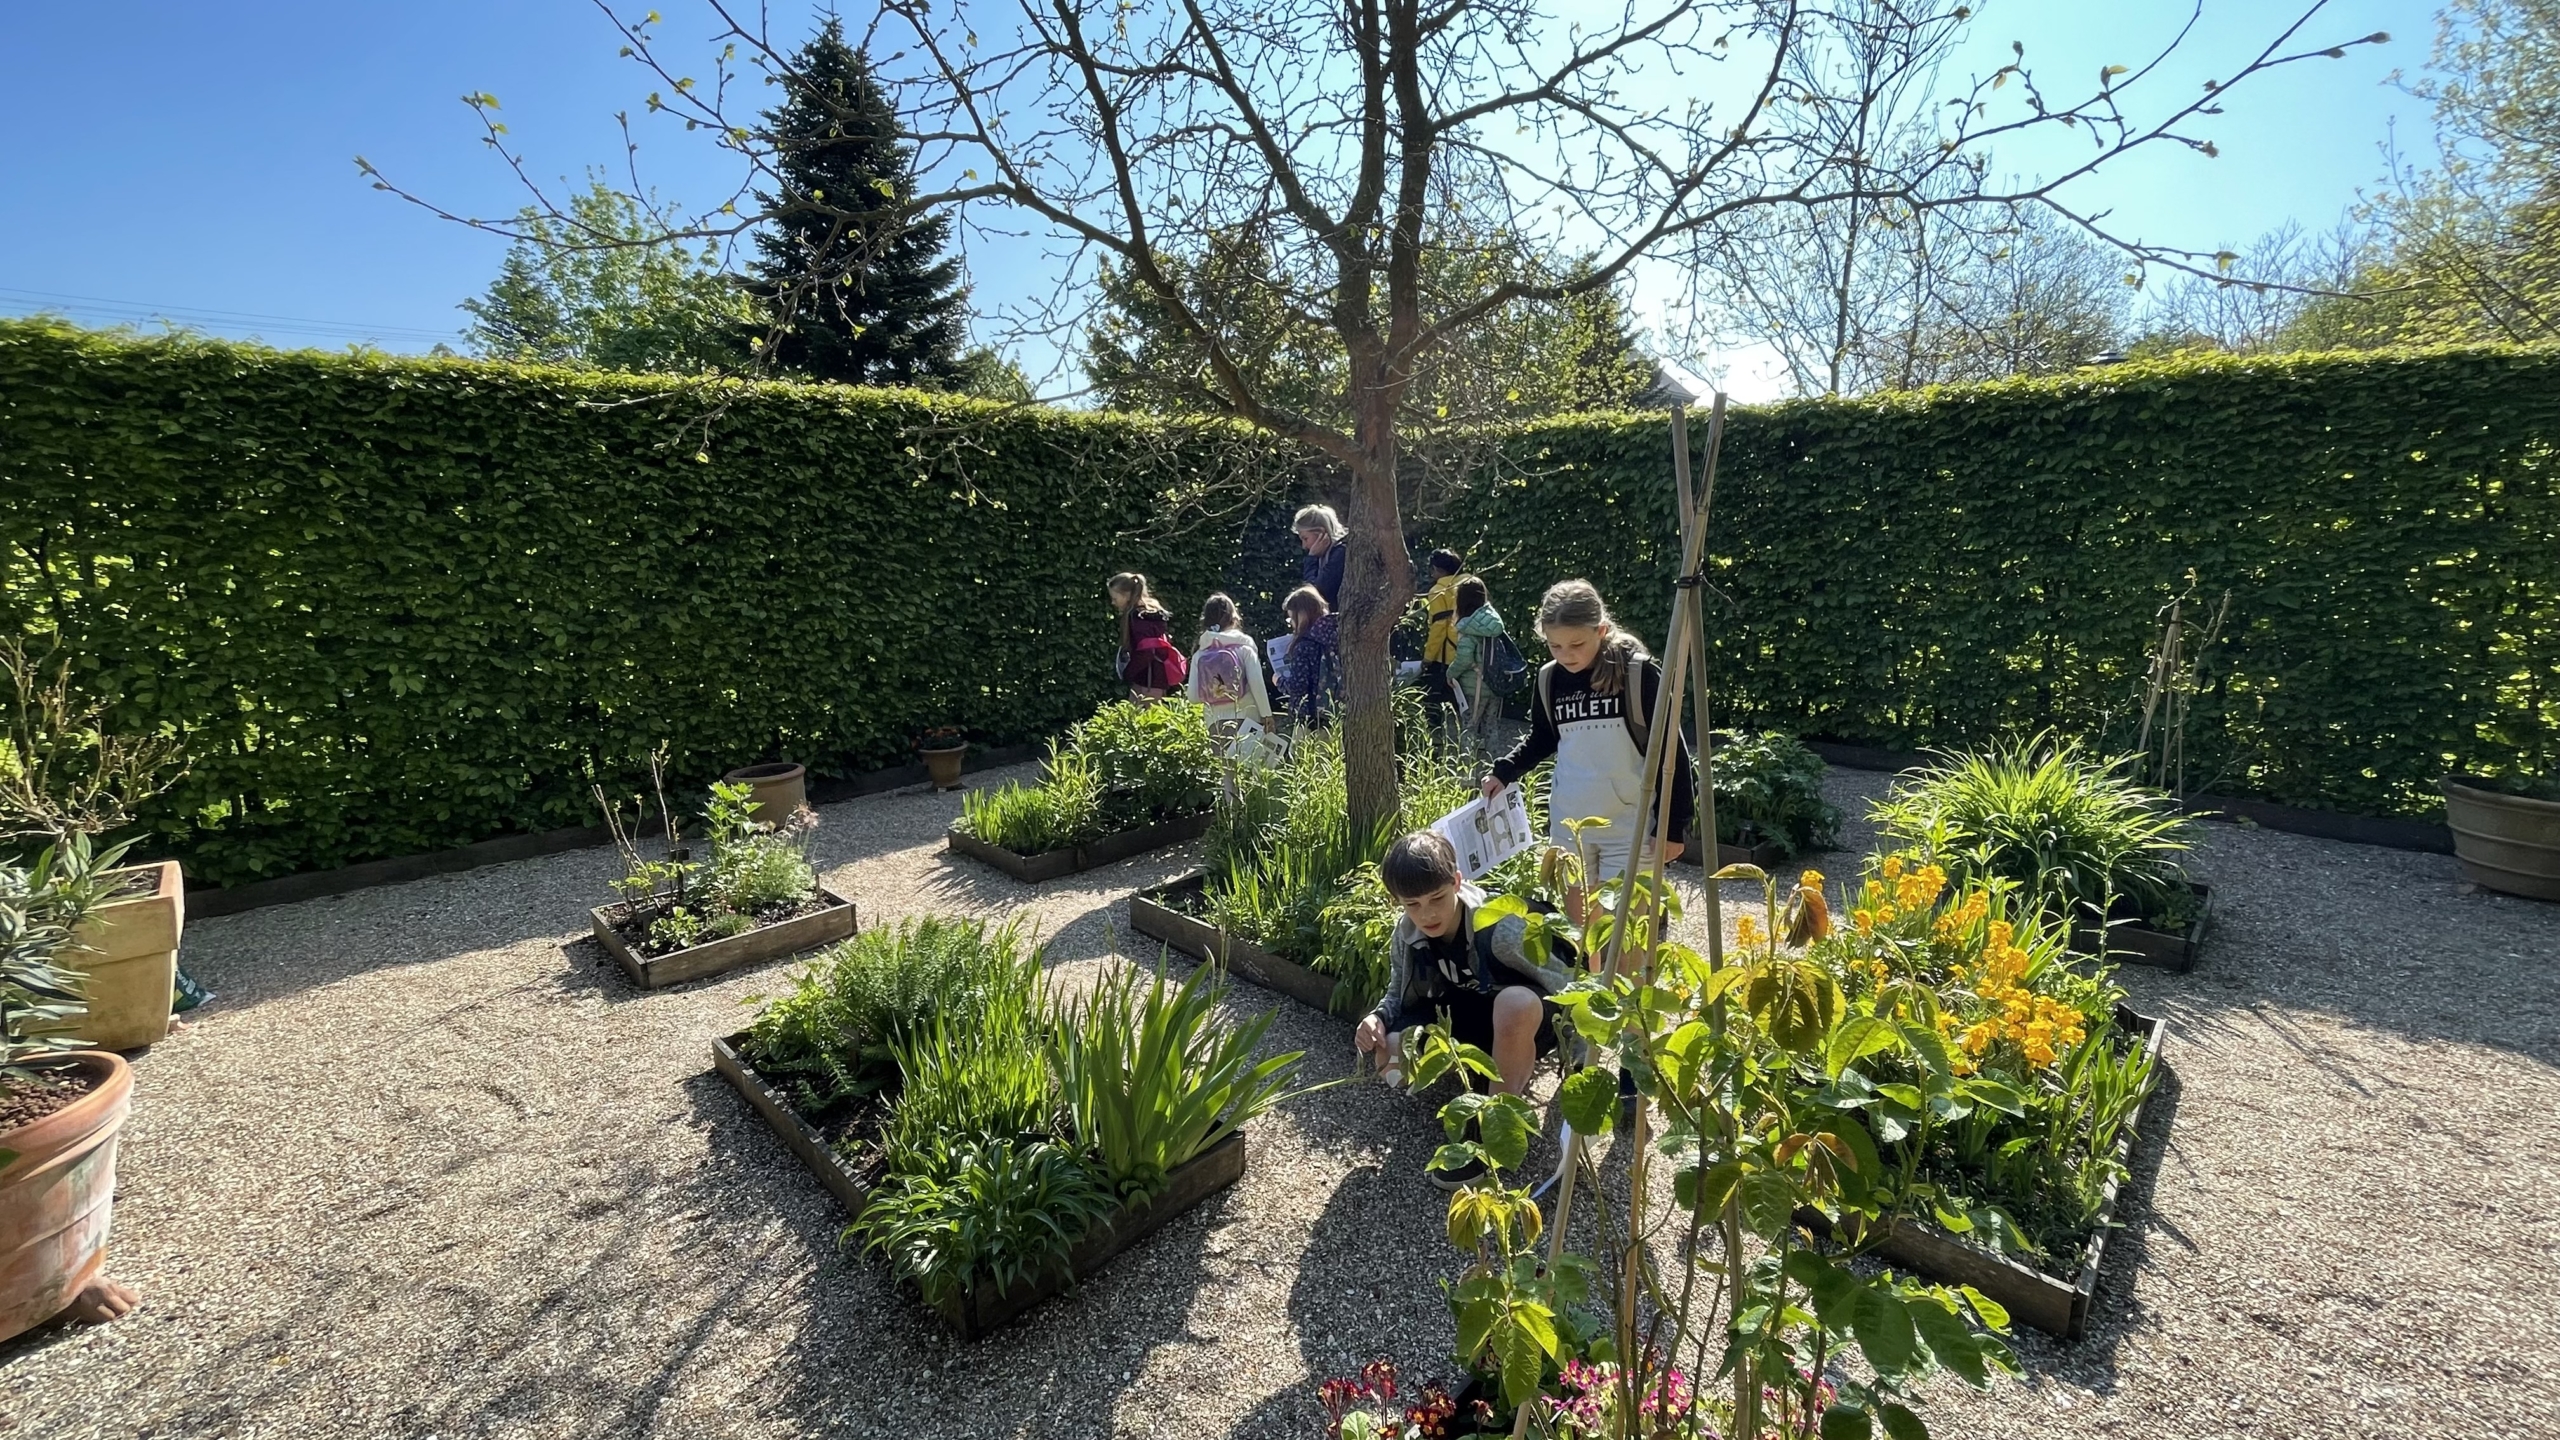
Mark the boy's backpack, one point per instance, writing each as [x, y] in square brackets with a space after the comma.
[1630, 684]
[1223, 680]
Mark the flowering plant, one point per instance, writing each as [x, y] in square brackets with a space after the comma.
[1368, 1407]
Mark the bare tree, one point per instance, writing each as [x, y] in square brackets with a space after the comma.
[1654, 129]
[2252, 307]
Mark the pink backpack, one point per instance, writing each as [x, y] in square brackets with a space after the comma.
[1223, 679]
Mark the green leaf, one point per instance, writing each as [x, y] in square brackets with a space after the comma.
[1768, 1201]
[1857, 1038]
[1900, 1423]
[1950, 1340]
[1506, 1126]
[1883, 1329]
[1523, 1362]
[1840, 1422]
[1992, 1314]
[1589, 1099]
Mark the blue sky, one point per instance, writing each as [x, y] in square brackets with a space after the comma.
[197, 161]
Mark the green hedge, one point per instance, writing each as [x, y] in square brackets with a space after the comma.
[399, 605]
[1954, 564]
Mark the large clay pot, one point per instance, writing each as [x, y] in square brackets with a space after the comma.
[57, 1196]
[128, 952]
[2504, 842]
[944, 766]
[781, 789]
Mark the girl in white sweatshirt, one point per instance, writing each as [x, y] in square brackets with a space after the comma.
[1226, 669]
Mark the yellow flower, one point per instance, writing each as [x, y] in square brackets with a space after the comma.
[1811, 879]
[1893, 867]
[1747, 933]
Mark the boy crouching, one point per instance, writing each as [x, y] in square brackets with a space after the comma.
[1480, 983]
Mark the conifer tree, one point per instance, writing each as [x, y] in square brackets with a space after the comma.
[855, 288]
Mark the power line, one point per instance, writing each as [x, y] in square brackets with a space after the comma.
[130, 310]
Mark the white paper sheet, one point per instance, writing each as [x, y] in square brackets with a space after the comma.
[1277, 647]
[1485, 835]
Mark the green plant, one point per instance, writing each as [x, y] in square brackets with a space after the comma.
[1155, 760]
[2073, 833]
[1769, 791]
[831, 1039]
[63, 773]
[1062, 810]
[755, 866]
[42, 903]
[975, 1070]
[976, 1211]
[1151, 1079]
[677, 929]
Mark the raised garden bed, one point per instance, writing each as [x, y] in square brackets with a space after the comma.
[1161, 914]
[982, 1311]
[2056, 1306]
[2133, 943]
[1092, 855]
[833, 920]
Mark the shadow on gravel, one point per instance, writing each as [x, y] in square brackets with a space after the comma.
[864, 1357]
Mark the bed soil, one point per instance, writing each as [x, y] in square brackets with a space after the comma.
[24, 1102]
[632, 922]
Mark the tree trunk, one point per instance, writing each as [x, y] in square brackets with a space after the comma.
[1377, 584]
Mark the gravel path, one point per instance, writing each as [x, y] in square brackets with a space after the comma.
[431, 1167]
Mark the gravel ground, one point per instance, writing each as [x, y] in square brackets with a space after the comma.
[431, 1167]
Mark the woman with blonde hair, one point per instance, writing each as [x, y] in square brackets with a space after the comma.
[1322, 532]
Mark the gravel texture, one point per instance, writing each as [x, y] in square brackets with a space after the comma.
[431, 1167]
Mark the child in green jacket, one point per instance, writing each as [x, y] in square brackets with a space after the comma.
[1478, 624]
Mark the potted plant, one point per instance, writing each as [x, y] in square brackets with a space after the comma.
[943, 749]
[61, 1108]
[755, 897]
[2506, 833]
[65, 781]
[2072, 832]
[781, 789]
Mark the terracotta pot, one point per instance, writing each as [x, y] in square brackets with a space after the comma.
[128, 951]
[781, 789]
[944, 766]
[57, 1196]
[2508, 843]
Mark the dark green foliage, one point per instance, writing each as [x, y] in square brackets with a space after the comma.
[865, 292]
[1769, 791]
[392, 606]
[1952, 565]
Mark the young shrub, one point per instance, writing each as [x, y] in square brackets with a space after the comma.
[2072, 832]
[1155, 761]
[41, 904]
[1153, 1078]
[1064, 809]
[974, 1070]
[976, 1211]
[755, 867]
[1769, 791]
[831, 1039]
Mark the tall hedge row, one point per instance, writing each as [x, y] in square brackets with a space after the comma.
[400, 605]
[1957, 564]
[396, 605]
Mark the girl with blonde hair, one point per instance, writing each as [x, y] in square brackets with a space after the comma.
[1148, 663]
